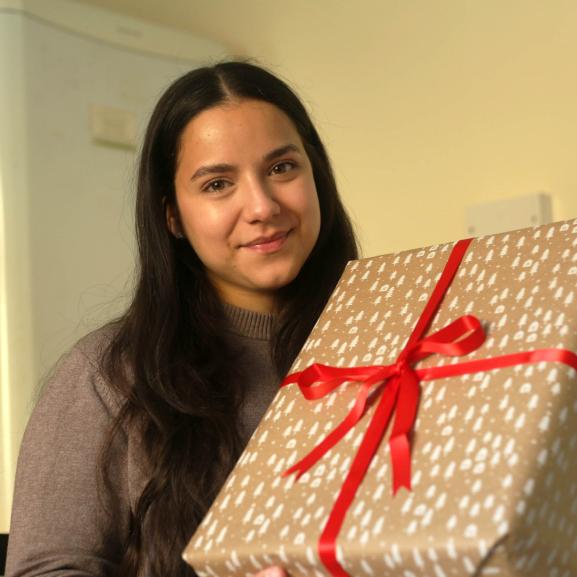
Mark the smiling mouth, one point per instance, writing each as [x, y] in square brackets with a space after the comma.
[268, 244]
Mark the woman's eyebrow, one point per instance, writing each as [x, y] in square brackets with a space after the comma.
[224, 168]
[212, 169]
[280, 151]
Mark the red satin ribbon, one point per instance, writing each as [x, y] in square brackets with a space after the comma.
[396, 387]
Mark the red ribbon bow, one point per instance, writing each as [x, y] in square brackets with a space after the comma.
[402, 391]
[397, 389]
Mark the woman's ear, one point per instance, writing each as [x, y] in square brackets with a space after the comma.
[173, 220]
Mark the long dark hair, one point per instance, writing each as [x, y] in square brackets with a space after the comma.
[165, 358]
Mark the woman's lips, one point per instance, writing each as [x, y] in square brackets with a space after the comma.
[268, 244]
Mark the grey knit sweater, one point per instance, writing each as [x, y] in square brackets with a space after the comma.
[59, 527]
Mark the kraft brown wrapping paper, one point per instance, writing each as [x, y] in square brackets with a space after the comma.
[494, 455]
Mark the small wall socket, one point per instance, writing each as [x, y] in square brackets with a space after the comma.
[113, 126]
[509, 214]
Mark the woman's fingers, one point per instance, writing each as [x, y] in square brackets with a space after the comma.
[274, 571]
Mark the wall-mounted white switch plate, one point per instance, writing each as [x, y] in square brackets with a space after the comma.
[509, 214]
[113, 126]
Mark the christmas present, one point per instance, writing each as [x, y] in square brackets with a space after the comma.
[428, 427]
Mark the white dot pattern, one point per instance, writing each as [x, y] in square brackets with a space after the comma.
[494, 459]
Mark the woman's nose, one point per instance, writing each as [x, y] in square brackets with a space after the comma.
[260, 203]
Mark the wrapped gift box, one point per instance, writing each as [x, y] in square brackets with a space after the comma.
[494, 453]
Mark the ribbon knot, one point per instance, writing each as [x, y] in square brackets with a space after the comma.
[399, 367]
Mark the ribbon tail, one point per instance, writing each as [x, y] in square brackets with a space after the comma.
[373, 436]
[334, 437]
[406, 413]
[401, 462]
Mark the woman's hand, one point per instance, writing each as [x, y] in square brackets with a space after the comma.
[274, 571]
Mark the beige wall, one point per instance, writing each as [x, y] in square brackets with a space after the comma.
[426, 106]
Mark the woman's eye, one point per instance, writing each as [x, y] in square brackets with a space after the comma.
[215, 185]
[282, 167]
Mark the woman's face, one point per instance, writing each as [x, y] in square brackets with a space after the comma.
[246, 200]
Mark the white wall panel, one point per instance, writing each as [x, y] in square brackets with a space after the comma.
[67, 200]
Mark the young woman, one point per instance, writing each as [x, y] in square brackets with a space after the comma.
[242, 237]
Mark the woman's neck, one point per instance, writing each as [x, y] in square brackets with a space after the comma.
[263, 302]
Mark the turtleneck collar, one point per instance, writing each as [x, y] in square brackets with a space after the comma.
[249, 323]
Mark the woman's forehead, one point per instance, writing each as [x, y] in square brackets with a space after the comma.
[236, 126]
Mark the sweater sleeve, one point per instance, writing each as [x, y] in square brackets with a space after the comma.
[65, 523]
